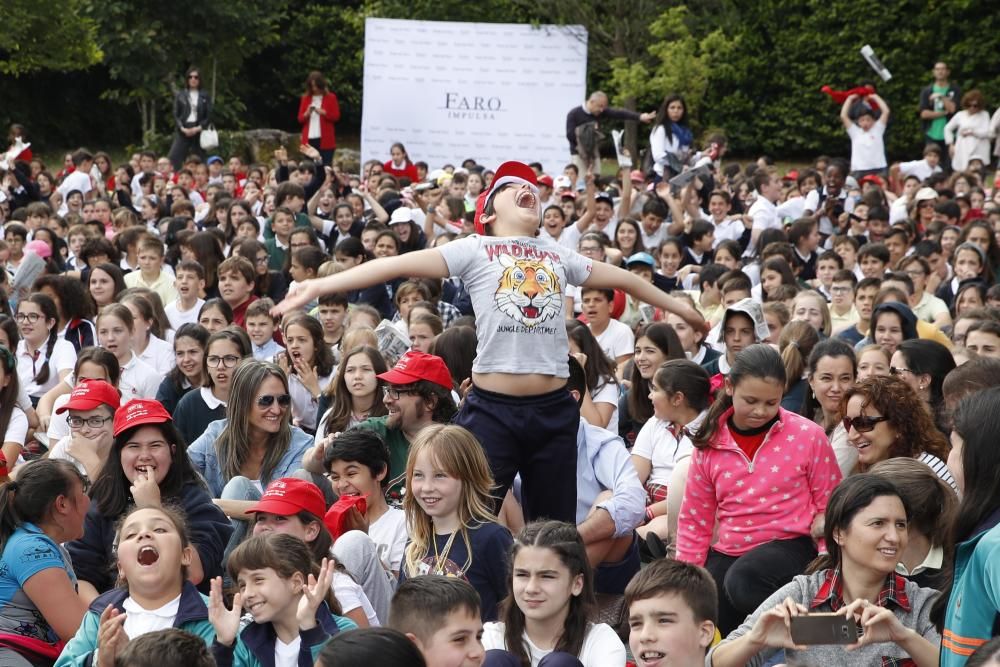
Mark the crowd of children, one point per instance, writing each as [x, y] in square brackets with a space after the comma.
[280, 414]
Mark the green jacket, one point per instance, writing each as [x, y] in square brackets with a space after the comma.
[254, 646]
[81, 650]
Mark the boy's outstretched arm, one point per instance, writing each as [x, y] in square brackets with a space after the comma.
[427, 263]
[605, 276]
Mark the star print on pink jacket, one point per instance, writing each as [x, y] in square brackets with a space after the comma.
[775, 496]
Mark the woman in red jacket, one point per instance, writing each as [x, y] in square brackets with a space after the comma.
[400, 165]
[318, 111]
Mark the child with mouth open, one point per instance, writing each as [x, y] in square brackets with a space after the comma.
[154, 593]
[519, 407]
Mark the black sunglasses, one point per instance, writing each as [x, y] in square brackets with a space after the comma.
[862, 423]
[266, 401]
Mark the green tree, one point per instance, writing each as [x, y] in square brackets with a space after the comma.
[147, 47]
[51, 35]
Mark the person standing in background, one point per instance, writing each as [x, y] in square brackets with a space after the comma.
[318, 111]
[191, 111]
[589, 112]
[938, 103]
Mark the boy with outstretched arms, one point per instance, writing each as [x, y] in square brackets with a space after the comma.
[518, 406]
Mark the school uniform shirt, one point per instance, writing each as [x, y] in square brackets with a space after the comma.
[867, 148]
[603, 464]
[840, 322]
[730, 229]
[482, 562]
[163, 284]
[616, 340]
[196, 410]
[664, 444]
[138, 380]
[388, 532]
[159, 354]
[179, 317]
[139, 621]
[929, 307]
[601, 645]
[63, 358]
[764, 214]
[608, 392]
[813, 203]
[268, 351]
[80, 333]
[918, 168]
[351, 596]
[304, 406]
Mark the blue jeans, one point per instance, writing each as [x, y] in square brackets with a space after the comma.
[239, 488]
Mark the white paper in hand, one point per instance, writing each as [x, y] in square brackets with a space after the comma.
[624, 161]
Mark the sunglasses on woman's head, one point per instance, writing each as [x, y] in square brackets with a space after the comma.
[266, 401]
[862, 423]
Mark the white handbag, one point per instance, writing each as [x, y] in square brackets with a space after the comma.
[209, 138]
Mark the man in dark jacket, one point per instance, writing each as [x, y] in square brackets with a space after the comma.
[584, 120]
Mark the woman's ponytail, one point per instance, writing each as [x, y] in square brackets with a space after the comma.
[30, 497]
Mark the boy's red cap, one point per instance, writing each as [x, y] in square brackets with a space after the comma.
[288, 496]
[508, 172]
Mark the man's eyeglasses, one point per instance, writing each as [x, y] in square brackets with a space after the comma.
[266, 401]
[862, 423]
[229, 361]
[92, 422]
[394, 392]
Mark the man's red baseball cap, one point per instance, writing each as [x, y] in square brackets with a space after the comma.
[546, 180]
[414, 366]
[508, 172]
[88, 394]
[139, 411]
[290, 495]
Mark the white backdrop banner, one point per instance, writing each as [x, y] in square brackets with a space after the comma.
[487, 91]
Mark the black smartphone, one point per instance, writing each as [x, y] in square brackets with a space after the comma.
[824, 629]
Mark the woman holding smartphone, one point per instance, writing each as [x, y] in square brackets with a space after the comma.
[318, 111]
[856, 583]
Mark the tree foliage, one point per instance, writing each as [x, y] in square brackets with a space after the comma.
[50, 35]
[752, 68]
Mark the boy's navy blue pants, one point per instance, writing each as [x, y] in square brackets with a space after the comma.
[531, 435]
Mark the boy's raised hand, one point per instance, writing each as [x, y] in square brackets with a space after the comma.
[225, 621]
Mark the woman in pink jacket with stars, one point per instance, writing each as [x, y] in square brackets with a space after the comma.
[759, 482]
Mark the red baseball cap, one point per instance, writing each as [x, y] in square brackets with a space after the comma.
[508, 172]
[416, 365]
[139, 411]
[88, 394]
[290, 495]
[545, 179]
[873, 178]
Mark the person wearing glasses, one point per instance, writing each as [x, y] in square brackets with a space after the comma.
[255, 444]
[968, 134]
[198, 408]
[192, 109]
[91, 406]
[884, 418]
[146, 467]
[417, 392]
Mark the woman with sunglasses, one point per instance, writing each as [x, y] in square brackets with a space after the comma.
[200, 407]
[967, 134]
[146, 467]
[884, 418]
[192, 108]
[256, 443]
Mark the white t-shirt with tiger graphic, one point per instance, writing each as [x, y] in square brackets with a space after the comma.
[517, 285]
